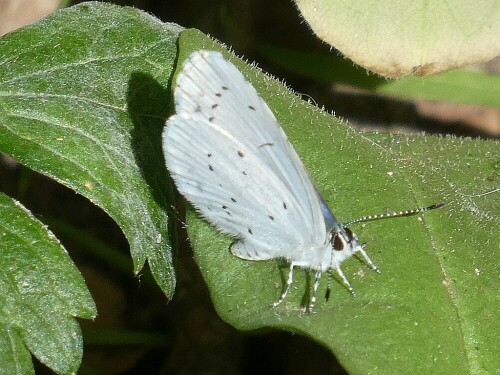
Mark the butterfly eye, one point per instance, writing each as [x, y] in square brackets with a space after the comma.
[338, 242]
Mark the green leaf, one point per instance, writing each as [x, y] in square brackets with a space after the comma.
[41, 292]
[83, 100]
[456, 86]
[434, 307]
[398, 38]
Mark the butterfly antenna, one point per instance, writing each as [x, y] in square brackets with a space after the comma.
[395, 214]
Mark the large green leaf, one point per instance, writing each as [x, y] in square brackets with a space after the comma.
[398, 38]
[41, 291]
[83, 100]
[434, 307]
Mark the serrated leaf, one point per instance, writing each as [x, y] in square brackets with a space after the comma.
[41, 292]
[398, 38]
[83, 100]
[433, 308]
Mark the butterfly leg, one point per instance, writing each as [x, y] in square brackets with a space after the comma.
[368, 260]
[345, 281]
[315, 290]
[328, 286]
[288, 284]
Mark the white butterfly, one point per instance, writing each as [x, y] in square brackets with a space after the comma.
[230, 158]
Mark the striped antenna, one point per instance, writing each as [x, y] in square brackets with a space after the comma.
[395, 214]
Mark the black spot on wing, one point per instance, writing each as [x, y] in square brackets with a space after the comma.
[198, 186]
[266, 144]
[233, 200]
[251, 107]
[225, 208]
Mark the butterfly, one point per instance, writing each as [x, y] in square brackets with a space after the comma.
[230, 158]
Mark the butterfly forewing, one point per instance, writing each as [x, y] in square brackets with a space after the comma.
[212, 88]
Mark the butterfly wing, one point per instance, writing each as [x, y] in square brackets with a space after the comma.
[231, 159]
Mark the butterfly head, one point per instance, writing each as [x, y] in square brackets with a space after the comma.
[344, 239]
[344, 243]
